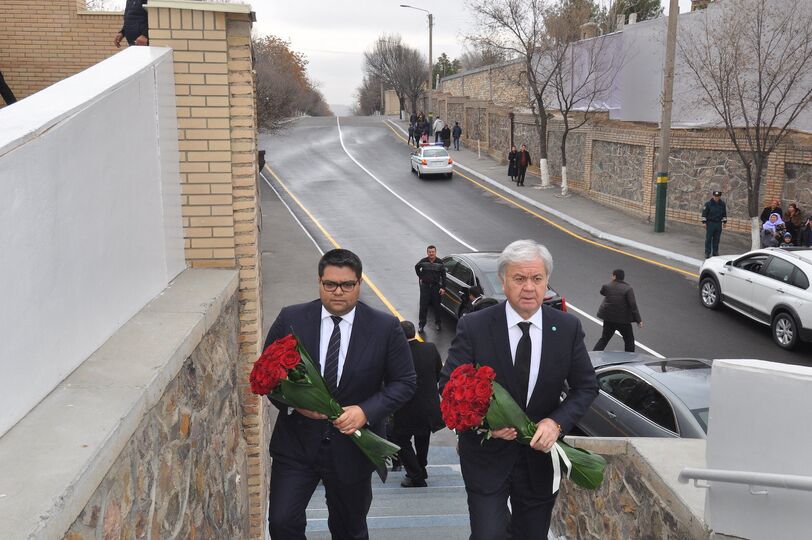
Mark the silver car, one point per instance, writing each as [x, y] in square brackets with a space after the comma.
[643, 396]
[432, 159]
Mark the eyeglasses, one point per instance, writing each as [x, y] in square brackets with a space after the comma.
[519, 279]
[346, 286]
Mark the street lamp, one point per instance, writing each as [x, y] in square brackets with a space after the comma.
[428, 80]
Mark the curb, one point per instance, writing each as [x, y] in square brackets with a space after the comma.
[589, 229]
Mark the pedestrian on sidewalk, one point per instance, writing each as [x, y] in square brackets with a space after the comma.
[714, 216]
[787, 241]
[793, 222]
[523, 161]
[806, 233]
[772, 232]
[438, 127]
[456, 133]
[412, 138]
[445, 135]
[421, 416]
[772, 208]
[513, 169]
[430, 272]
[5, 91]
[618, 311]
[371, 382]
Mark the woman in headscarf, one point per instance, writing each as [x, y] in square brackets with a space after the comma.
[772, 231]
[794, 222]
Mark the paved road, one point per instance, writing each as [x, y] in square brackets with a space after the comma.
[359, 188]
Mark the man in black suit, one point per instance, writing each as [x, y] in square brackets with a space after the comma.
[364, 358]
[533, 349]
[421, 415]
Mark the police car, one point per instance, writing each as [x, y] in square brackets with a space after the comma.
[432, 158]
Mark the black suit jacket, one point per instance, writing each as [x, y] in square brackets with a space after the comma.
[482, 338]
[378, 376]
[422, 413]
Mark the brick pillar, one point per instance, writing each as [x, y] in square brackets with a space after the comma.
[216, 108]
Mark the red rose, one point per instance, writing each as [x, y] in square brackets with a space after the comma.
[486, 373]
[483, 390]
[288, 342]
[289, 359]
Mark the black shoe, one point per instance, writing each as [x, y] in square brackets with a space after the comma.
[438, 327]
[421, 328]
[408, 482]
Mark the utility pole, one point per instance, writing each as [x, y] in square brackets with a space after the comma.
[428, 79]
[665, 119]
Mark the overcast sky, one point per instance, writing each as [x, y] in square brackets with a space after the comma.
[333, 34]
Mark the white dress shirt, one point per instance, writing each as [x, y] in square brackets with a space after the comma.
[515, 334]
[327, 330]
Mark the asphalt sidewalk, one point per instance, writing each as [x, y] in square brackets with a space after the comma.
[681, 245]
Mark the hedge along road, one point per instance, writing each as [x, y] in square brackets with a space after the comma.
[353, 175]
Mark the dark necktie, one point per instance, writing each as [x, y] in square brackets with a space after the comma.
[331, 358]
[522, 362]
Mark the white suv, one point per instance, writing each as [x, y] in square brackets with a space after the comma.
[769, 285]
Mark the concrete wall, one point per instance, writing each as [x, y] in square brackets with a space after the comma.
[90, 209]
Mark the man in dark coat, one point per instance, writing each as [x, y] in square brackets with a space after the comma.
[456, 133]
[5, 91]
[523, 161]
[431, 277]
[535, 350]
[445, 134]
[773, 208]
[421, 415]
[136, 26]
[618, 311]
[714, 216]
[365, 361]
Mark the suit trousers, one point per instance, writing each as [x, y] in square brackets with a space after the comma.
[414, 458]
[609, 328]
[529, 515]
[429, 297]
[292, 486]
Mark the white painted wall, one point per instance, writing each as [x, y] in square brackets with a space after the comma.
[90, 226]
[759, 422]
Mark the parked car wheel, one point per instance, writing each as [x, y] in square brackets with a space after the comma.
[449, 175]
[784, 330]
[709, 293]
[419, 174]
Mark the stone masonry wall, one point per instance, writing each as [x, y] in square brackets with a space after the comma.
[614, 162]
[631, 503]
[45, 41]
[183, 474]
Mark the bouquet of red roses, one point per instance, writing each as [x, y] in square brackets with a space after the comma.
[473, 400]
[285, 372]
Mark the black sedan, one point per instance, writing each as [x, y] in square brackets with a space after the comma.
[465, 270]
[644, 396]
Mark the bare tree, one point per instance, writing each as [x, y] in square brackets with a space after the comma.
[400, 67]
[751, 62]
[368, 96]
[477, 57]
[517, 27]
[585, 71]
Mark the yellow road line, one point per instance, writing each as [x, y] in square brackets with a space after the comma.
[335, 244]
[559, 227]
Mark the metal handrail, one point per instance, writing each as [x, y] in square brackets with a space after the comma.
[786, 481]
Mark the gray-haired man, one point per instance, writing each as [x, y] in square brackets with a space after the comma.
[534, 350]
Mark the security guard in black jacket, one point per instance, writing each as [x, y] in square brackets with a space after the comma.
[714, 216]
[136, 25]
[431, 275]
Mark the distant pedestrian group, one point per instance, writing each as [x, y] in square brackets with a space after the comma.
[785, 229]
[420, 128]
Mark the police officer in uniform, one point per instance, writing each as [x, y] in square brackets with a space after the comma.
[431, 275]
[714, 216]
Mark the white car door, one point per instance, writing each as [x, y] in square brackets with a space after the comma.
[775, 286]
[737, 279]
